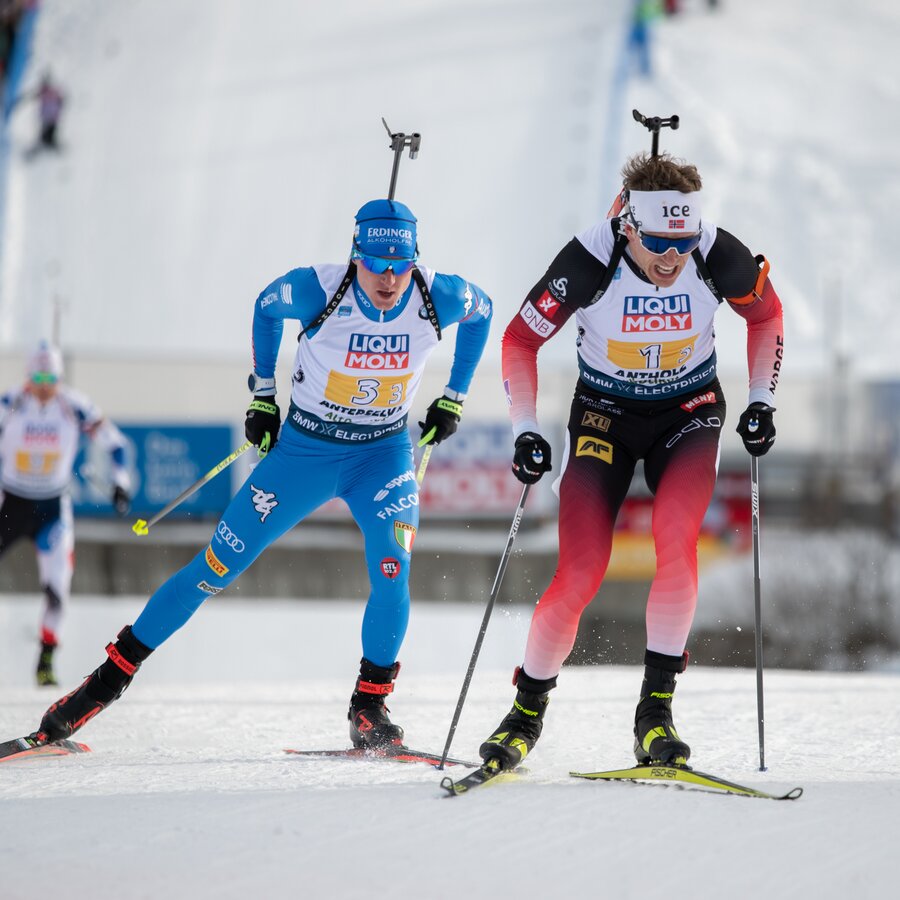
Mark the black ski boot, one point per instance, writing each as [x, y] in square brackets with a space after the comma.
[99, 689]
[655, 738]
[370, 726]
[45, 674]
[517, 734]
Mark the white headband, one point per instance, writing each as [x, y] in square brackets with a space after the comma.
[661, 211]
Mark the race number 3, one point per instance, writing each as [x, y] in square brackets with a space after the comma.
[368, 390]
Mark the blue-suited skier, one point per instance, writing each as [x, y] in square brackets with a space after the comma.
[367, 330]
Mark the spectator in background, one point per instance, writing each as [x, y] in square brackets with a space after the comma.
[643, 13]
[51, 100]
[41, 424]
[50, 104]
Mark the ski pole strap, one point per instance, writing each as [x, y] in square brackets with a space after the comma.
[263, 406]
[451, 406]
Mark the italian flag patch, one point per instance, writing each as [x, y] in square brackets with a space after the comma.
[405, 535]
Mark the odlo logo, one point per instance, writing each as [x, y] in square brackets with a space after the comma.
[390, 568]
[695, 424]
[558, 287]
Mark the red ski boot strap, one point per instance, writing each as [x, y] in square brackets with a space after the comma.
[127, 667]
[370, 687]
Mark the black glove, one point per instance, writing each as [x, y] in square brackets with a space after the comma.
[262, 423]
[443, 416]
[121, 501]
[532, 457]
[756, 428]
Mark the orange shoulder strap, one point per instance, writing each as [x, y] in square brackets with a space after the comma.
[756, 293]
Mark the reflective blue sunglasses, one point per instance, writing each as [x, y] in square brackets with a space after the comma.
[660, 245]
[378, 265]
[43, 378]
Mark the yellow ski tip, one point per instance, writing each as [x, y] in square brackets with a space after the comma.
[140, 527]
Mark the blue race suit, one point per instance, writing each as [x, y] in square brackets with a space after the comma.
[355, 376]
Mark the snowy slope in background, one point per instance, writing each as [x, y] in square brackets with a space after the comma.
[215, 145]
[790, 112]
[187, 793]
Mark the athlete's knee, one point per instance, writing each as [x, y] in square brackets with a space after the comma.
[54, 598]
[575, 585]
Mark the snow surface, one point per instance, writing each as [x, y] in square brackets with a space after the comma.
[201, 132]
[212, 146]
[187, 793]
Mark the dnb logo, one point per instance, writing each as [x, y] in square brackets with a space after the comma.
[536, 322]
[390, 567]
[591, 446]
[378, 351]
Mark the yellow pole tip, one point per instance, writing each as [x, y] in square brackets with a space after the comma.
[140, 527]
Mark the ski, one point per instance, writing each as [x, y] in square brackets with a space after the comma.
[397, 754]
[29, 747]
[682, 776]
[489, 773]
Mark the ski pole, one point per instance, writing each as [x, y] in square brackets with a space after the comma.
[423, 464]
[754, 488]
[514, 528]
[141, 527]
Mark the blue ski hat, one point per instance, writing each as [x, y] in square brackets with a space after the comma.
[385, 228]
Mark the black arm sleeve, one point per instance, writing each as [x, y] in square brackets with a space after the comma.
[732, 266]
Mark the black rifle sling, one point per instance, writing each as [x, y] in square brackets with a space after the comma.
[419, 279]
[705, 275]
[618, 249]
[616, 255]
[347, 280]
[334, 302]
